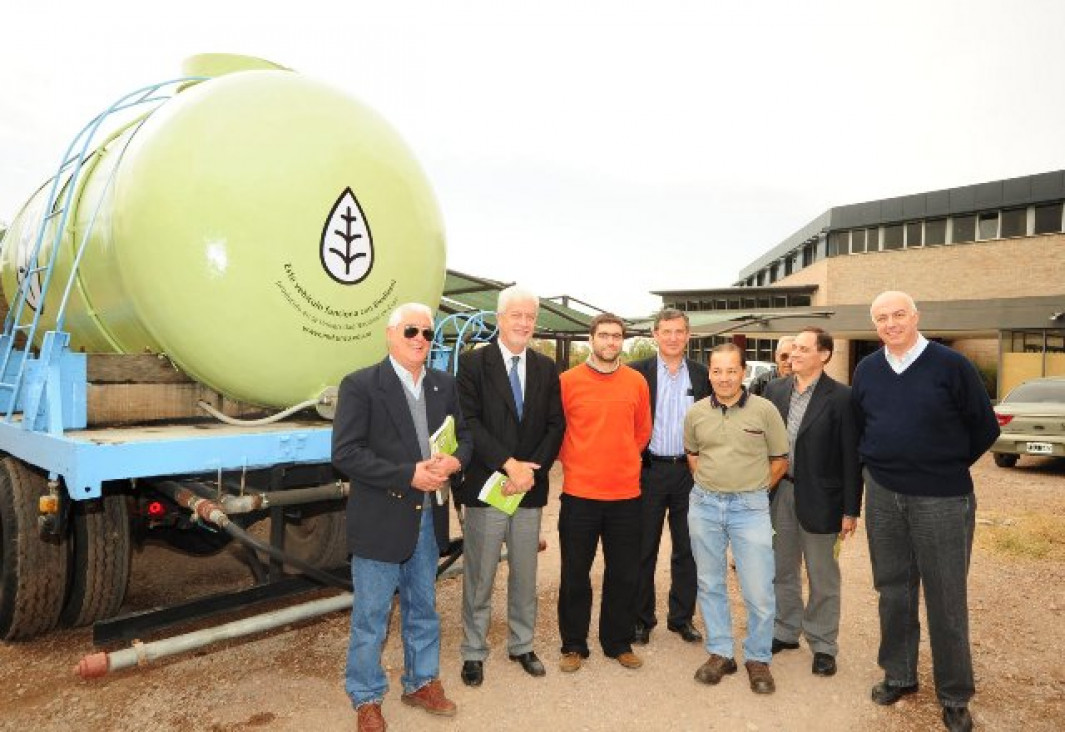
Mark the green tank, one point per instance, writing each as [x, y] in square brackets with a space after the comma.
[257, 228]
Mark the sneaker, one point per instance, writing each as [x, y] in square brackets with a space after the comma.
[432, 699]
[760, 677]
[570, 662]
[370, 718]
[714, 669]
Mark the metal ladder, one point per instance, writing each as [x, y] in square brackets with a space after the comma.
[15, 358]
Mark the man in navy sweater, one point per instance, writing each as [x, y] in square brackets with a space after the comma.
[924, 418]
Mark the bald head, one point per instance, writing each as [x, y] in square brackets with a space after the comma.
[895, 317]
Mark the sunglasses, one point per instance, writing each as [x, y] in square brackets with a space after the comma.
[409, 331]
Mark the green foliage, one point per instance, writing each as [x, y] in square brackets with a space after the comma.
[641, 348]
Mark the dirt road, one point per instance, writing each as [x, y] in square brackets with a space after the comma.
[291, 679]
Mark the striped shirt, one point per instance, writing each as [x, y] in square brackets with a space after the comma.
[673, 398]
[796, 411]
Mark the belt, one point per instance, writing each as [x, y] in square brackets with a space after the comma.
[667, 458]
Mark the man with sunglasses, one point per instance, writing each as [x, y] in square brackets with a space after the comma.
[397, 520]
[511, 399]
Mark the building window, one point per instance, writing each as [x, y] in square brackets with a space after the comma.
[893, 236]
[838, 243]
[799, 301]
[1048, 218]
[1014, 222]
[872, 239]
[935, 231]
[914, 236]
[808, 255]
[987, 226]
[964, 229]
[857, 241]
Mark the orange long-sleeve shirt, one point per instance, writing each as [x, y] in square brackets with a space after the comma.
[608, 425]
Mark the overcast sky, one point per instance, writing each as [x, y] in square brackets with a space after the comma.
[601, 149]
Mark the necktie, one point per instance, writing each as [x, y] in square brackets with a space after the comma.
[515, 384]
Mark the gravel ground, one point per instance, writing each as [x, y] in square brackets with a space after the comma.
[290, 679]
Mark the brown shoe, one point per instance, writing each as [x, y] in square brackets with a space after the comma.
[431, 698]
[760, 677]
[628, 659]
[714, 669]
[570, 662]
[370, 718]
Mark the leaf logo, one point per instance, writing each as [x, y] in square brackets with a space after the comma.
[347, 245]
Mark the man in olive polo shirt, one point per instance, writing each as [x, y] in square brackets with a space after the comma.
[737, 446]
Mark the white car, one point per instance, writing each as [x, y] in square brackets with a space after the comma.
[1032, 419]
[756, 369]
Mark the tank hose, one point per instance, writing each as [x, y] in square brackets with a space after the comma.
[309, 569]
[254, 422]
[211, 512]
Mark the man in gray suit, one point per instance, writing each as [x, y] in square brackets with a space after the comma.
[511, 400]
[397, 515]
[817, 502]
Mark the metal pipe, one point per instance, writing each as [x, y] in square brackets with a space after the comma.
[261, 500]
[95, 665]
[211, 512]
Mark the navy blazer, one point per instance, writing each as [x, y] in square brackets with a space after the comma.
[825, 466]
[376, 446]
[698, 375]
[492, 416]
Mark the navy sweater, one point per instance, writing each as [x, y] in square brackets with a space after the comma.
[922, 429]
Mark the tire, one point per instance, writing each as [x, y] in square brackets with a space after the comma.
[99, 560]
[1004, 460]
[33, 567]
[315, 533]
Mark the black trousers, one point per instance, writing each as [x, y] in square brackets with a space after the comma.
[582, 522]
[666, 488]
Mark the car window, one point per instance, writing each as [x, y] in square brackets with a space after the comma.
[1037, 391]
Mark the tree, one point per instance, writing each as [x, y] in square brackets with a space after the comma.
[640, 348]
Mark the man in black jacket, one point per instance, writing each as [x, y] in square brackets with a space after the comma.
[675, 383]
[397, 512]
[511, 400]
[817, 503]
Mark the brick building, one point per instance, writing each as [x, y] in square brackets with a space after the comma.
[985, 263]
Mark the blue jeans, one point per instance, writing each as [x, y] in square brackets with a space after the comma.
[375, 583]
[714, 520]
[917, 541]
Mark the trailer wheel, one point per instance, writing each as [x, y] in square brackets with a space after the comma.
[33, 567]
[100, 560]
[315, 533]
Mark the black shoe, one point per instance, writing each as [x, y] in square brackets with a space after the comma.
[530, 663]
[641, 635]
[779, 645]
[957, 719]
[824, 665]
[885, 694]
[473, 673]
[687, 631]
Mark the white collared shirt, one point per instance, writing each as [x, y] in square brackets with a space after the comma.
[898, 365]
[508, 361]
[414, 386]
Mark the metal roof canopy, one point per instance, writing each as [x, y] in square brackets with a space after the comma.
[466, 293]
[719, 322]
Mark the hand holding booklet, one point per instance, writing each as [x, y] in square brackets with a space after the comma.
[492, 494]
[444, 442]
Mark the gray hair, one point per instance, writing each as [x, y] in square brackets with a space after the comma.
[409, 307]
[785, 341]
[670, 314]
[514, 293]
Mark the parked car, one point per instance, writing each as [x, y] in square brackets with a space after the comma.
[756, 369]
[1032, 418]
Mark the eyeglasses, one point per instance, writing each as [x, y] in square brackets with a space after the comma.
[409, 331]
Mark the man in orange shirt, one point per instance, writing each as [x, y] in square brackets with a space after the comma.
[608, 425]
